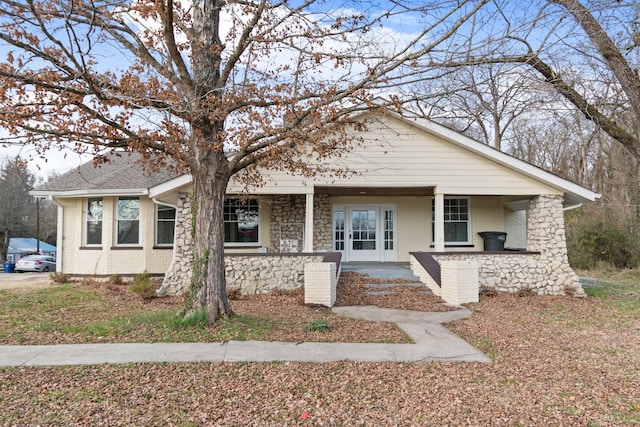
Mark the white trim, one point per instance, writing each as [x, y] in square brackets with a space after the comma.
[92, 193]
[438, 220]
[308, 224]
[168, 186]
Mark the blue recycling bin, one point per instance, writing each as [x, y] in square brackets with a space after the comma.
[8, 267]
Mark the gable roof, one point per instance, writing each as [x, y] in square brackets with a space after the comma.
[118, 175]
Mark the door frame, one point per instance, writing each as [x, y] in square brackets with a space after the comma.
[386, 231]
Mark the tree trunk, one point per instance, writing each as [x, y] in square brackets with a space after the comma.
[208, 285]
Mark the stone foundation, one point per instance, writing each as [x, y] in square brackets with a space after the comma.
[278, 270]
[544, 267]
[261, 273]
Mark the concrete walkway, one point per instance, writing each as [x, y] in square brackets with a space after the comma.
[433, 342]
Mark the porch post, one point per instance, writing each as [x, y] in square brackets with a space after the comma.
[438, 229]
[308, 224]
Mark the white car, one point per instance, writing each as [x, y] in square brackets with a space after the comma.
[41, 263]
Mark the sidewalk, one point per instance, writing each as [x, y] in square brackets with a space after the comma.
[433, 342]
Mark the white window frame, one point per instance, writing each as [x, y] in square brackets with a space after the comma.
[158, 220]
[469, 240]
[86, 222]
[117, 221]
[243, 244]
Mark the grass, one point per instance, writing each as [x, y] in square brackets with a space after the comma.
[620, 288]
[82, 315]
[114, 312]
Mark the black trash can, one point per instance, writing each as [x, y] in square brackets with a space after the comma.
[493, 240]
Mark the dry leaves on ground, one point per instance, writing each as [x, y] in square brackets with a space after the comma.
[557, 361]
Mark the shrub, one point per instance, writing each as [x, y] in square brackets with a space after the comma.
[143, 286]
[488, 291]
[601, 235]
[116, 279]
[59, 277]
[527, 292]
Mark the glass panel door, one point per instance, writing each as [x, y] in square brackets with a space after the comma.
[363, 224]
[364, 234]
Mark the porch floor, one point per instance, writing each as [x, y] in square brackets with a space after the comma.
[382, 270]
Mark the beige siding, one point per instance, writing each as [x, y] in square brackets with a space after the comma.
[105, 260]
[395, 153]
[413, 215]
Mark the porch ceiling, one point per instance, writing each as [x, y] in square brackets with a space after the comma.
[375, 191]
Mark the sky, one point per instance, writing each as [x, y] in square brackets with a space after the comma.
[56, 162]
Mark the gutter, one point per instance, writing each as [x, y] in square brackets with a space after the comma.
[568, 208]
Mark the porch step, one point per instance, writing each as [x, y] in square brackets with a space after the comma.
[381, 289]
[393, 285]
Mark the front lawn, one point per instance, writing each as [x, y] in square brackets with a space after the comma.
[557, 361]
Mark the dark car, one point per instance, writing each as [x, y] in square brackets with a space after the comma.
[41, 263]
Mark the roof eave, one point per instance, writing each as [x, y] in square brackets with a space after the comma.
[91, 192]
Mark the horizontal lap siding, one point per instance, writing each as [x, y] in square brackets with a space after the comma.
[398, 154]
[104, 260]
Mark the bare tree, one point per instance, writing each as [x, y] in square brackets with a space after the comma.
[214, 87]
[481, 101]
[559, 39]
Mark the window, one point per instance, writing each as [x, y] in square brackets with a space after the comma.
[128, 221]
[388, 230]
[165, 225]
[93, 234]
[241, 221]
[456, 220]
[338, 218]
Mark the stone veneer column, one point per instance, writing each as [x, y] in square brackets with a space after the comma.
[177, 279]
[287, 220]
[546, 234]
[322, 223]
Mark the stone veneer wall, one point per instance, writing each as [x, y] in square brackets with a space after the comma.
[287, 221]
[288, 218]
[261, 273]
[251, 273]
[547, 272]
[177, 279]
[504, 271]
[546, 234]
[322, 223]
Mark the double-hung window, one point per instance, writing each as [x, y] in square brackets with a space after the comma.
[165, 225]
[241, 221]
[93, 233]
[456, 220]
[128, 221]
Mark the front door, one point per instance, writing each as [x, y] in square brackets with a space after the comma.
[364, 233]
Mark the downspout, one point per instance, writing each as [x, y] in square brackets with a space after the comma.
[59, 238]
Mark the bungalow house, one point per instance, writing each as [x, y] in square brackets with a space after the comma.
[417, 188]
